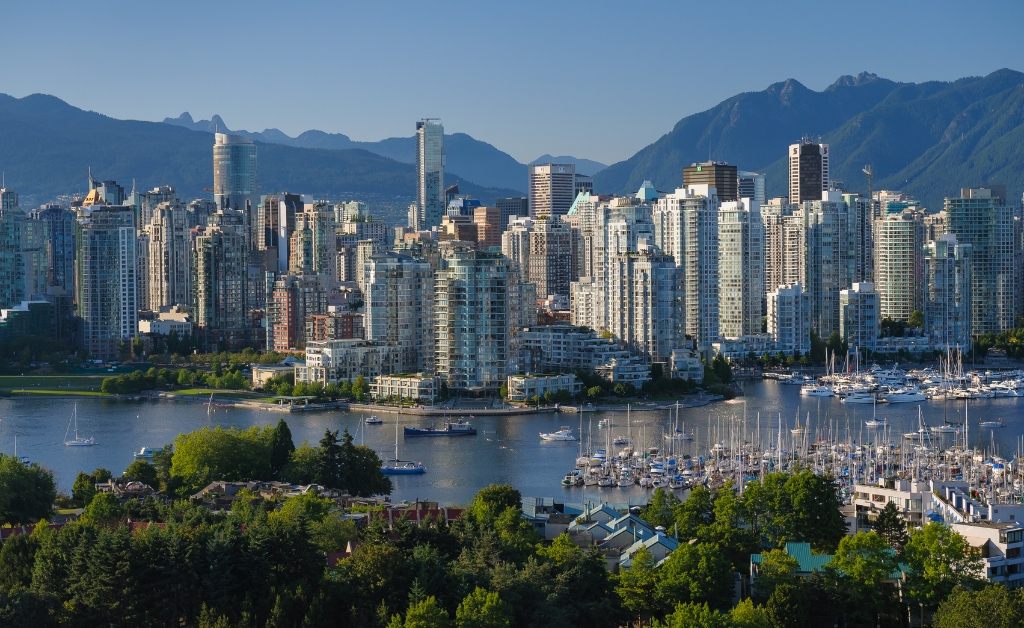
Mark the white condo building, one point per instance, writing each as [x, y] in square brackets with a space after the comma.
[789, 323]
[860, 320]
[899, 240]
[740, 268]
[947, 292]
[399, 301]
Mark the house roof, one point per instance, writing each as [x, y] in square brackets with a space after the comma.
[808, 561]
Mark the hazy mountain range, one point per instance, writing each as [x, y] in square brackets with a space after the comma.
[479, 161]
[926, 139]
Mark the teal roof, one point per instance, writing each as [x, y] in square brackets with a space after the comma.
[584, 196]
[647, 192]
[808, 561]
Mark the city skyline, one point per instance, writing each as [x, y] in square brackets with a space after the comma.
[375, 63]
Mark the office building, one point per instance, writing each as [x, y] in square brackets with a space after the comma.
[740, 268]
[488, 227]
[789, 321]
[552, 189]
[472, 321]
[430, 201]
[550, 263]
[199, 211]
[60, 244]
[106, 278]
[515, 242]
[106, 192]
[860, 320]
[947, 292]
[234, 177]
[508, 207]
[169, 279]
[399, 298]
[582, 184]
[714, 174]
[147, 202]
[645, 296]
[981, 218]
[686, 227]
[751, 185]
[808, 171]
[899, 242]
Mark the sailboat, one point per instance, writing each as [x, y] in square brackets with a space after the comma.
[77, 442]
[396, 466]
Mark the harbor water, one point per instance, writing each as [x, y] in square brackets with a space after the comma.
[507, 449]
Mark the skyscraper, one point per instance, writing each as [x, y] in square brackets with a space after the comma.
[12, 263]
[947, 292]
[714, 174]
[808, 171]
[512, 207]
[817, 247]
[399, 299]
[899, 239]
[740, 268]
[552, 189]
[219, 278]
[170, 257]
[275, 221]
[981, 218]
[789, 323]
[60, 245]
[859, 323]
[106, 278]
[646, 311]
[430, 201]
[550, 263]
[751, 185]
[234, 177]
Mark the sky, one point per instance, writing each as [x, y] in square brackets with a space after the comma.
[596, 79]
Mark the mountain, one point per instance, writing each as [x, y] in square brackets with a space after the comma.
[49, 145]
[926, 139]
[479, 161]
[587, 167]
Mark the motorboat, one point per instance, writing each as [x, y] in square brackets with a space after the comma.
[603, 423]
[563, 434]
[459, 428]
[997, 423]
[620, 440]
[606, 481]
[945, 428]
[904, 395]
[77, 441]
[861, 397]
[875, 423]
[816, 391]
[373, 420]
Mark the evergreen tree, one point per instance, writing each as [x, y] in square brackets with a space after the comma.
[26, 491]
[281, 446]
[891, 526]
[481, 609]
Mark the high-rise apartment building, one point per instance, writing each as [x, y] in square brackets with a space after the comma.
[686, 227]
[981, 218]
[774, 215]
[313, 248]
[515, 242]
[472, 299]
[60, 244]
[169, 279]
[12, 262]
[147, 202]
[106, 278]
[293, 299]
[818, 245]
[861, 220]
[430, 201]
[552, 189]
[399, 299]
[646, 302]
[860, 320]
[789, 318]
[219, 282]
[550, 262]
[234, 177]
[714, 174]
[508, 207]
[808, 171]
[947, 292]
[899, 242]
[275, 219]
[740, 268]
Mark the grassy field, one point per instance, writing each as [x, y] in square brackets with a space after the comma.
[52, 382]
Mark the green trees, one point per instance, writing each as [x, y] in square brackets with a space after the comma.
[483, 609]
[638, 585]
[696, 573]
[142, 471]
[994, 606]
[344, 465]
[493, 500]
[723, 370]
[659, 509]
[940, 560]
[104, 508]
[891, 527]
[210, 454]
[859, 568]
[26, 491]
[281, 446]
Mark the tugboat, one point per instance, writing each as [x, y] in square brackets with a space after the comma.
[458, 428]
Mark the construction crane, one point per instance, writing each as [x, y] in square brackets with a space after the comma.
[867, 170]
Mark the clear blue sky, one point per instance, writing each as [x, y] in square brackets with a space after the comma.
[592, 79]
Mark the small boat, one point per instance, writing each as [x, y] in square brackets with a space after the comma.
[945, 428]
[146, 453]
[606, 481]
[620, 440]
[997, 423]
[603, 423]
[373, 420]
[816, 391]
[875, 423]
[564, 434]
[458, 428]
[861, 397]
[77, 442]
[678, 435]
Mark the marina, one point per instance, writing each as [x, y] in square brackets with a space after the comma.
[724, 441]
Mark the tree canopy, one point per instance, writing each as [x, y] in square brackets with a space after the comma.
[26, 491]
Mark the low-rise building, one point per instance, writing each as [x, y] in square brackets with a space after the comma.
[910, 499]
[262, 373]
[686, 364]
[626, 371]
[523, 387]
[999, 545]
[741, 348]
[423, 388]
[334, 361]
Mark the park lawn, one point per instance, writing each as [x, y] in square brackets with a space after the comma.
[52, 382]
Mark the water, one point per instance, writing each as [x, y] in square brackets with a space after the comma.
[507, 449]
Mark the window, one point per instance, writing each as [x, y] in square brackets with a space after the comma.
[1013, 552]
[1011, 536]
